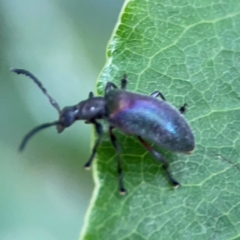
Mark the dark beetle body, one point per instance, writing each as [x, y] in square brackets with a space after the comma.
[150, 118]
[146, 117]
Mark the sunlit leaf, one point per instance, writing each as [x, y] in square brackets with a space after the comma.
[190, 51]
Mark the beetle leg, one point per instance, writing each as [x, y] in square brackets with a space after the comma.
[183, 108]
[157, 94]
[109, 86]
[90, 95]
[161, 159]
[116, 146]
[124, 82]
[99, 131]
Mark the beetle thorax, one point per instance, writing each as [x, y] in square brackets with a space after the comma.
[91, 109]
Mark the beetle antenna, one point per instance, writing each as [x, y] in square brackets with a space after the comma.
[34, 131]
[30, 75]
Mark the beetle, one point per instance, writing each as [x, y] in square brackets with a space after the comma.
[149, 118]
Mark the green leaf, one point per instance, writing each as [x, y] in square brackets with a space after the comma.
[190, 51]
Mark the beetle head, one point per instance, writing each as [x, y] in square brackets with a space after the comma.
[67, 117]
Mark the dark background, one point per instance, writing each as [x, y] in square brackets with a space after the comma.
[45, 192]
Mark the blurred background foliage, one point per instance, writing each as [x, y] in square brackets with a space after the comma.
[45, 191]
